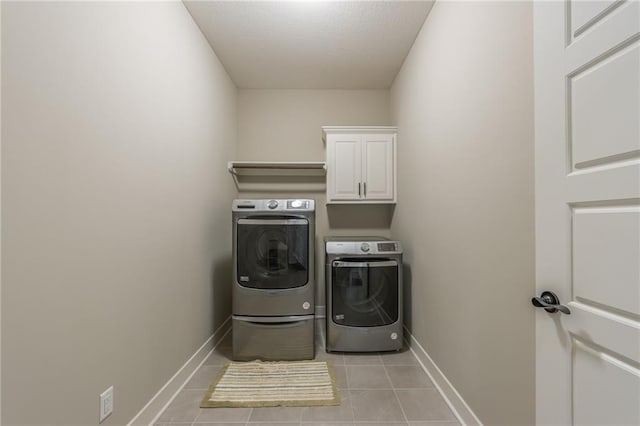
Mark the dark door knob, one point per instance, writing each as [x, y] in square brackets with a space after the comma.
[550, 302]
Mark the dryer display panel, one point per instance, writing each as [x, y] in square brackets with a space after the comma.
[272, 253]
[365, 294]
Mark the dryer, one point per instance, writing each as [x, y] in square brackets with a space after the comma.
[364, 294]
[273, 279]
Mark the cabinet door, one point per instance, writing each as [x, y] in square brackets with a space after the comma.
[378, 167]
[345, 172]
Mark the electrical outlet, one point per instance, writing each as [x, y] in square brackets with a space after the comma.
[106, 404]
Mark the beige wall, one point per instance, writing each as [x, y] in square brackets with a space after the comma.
[117, 124]
[285, 125]
[463, 102]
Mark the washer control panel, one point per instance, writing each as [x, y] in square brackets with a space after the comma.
[274, 205]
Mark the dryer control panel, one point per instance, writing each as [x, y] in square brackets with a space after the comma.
[367, 248]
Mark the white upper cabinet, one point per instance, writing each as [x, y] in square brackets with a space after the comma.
[361, 164]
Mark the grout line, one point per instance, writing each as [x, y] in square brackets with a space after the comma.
[395, 394]
[346, 375]
[347, 390]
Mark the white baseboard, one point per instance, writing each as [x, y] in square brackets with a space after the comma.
[460, 408]
[161, 400]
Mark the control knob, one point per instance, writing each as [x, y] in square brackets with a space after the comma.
[272, 204]
[365, 247]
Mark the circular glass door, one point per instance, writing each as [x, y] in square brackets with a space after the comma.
[272, 253]
[364, 294]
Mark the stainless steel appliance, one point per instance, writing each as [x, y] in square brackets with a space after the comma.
[364, 294]
[273, 279]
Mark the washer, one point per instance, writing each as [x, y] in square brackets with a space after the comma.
[273, 279]
[364, 294]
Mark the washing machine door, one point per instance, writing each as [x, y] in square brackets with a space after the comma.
[364, 294]
[272, 253]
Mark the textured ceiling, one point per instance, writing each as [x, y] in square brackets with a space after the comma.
[310, 44]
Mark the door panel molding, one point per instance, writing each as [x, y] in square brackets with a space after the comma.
[587, 94]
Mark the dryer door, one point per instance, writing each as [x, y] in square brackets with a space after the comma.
[364, 294]
[272, 253]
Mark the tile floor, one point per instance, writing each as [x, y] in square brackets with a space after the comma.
[376, 389]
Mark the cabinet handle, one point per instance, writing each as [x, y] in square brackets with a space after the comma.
[358, 189]
[365, 188]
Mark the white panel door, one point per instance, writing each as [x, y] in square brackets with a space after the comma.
[587, 88]
[344, 176]
[378, 161]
